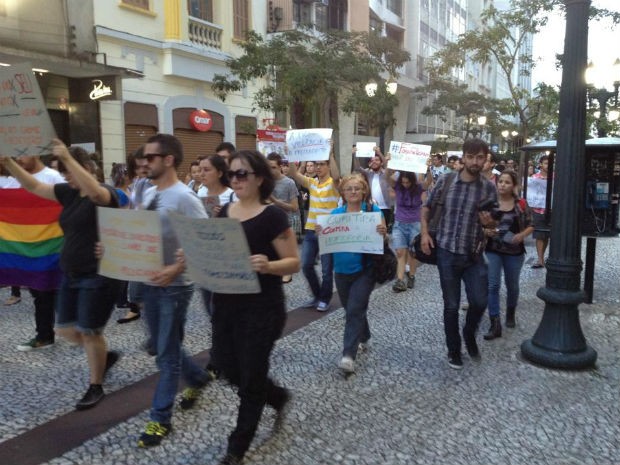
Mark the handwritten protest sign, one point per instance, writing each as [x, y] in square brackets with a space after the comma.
[365, 149]
[308, 144]
[132, 243]
[217, 254]
[271, 140]
[536, 192]
[25, 125]
[350, 232]
[405, 156]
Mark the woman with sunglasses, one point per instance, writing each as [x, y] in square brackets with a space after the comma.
[85, 298]
[246, 327]
[353, 273]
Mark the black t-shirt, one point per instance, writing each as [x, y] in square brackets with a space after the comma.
[260, 232]
[78, 221]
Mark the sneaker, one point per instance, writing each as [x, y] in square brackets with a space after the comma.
[472, 346]
[322, 306]
[92, 397]
[347, 364]
[34, 344]
[189, 396]
[399, 286]
[310, 304]
[154, 432]
[230, 459]
[410, 281]
[12, 300]
[110, 360]
[455, 361]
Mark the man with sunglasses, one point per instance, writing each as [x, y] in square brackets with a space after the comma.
[324, 197]
[168, 293]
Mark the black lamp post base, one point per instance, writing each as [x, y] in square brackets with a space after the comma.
[559, 341]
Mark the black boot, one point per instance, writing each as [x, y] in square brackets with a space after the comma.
[510, 317]
[495, 330]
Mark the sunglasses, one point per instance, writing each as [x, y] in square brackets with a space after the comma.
[151, 156]
[239, 174]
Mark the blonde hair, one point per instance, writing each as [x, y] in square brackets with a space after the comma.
[357, 177]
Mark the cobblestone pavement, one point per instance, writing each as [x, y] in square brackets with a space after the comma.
[404, 405]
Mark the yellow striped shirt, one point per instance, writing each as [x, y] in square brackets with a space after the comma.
[324, 198]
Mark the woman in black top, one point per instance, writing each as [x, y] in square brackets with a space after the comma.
[85, 299]
[245, 327]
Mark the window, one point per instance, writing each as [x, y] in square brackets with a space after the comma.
[201, 9]
[144, 4]
[241, 15]
[395, 6]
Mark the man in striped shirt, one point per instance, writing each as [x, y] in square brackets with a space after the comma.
[324, 196]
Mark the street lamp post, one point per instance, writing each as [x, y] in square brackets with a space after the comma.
[559, 341]
[596, 79]
[475, 125]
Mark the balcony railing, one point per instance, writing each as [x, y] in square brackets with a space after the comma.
[205, 34]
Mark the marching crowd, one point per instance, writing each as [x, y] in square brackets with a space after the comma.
[468, 213]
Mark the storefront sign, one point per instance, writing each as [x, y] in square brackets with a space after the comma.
[201, 120]
[100, 90]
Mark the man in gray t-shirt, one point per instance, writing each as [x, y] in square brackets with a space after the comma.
[168, 293]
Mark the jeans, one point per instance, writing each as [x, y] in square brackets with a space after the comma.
[473, 272]
[244, 333]
[44, 303]
[165, 309]
[309, 251]
[354, 291]
[511, 264]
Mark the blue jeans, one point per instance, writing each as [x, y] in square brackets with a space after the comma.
[309, 251]
[165, 309]
[511, 264]
[354, 291]
[473, 272]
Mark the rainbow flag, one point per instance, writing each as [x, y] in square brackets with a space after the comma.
[30, 240]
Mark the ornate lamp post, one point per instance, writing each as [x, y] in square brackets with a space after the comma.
[385, 120]
[559, 341]
[601, 90]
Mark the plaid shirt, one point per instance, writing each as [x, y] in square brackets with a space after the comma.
[459, 230]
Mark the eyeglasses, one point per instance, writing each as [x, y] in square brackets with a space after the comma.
[353, 189]
[151, 156]
[321, 163]
[241, 174]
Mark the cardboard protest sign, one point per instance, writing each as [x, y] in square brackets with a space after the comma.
[271, 140]
[308, 144]
[536, 192]
[405, 156]
[365, 149]
[132, 244]
[25, 125]
[217, 254]
[350, 232]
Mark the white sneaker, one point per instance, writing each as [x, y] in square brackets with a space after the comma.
[322, 306]
[347, 364]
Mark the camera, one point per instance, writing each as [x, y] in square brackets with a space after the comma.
[491, 206]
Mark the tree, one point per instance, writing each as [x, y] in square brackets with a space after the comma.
[306, 73]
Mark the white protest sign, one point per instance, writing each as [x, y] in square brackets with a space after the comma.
[132, 244]
[350, 232]
[452, 153]
[536, 192]
[405, 156]
[308, 144]
[25, 125]
[365, 149]
[217, 254]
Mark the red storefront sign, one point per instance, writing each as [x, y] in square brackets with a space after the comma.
[201, 120]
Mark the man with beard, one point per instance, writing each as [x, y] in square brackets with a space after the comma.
[378, 181]
[460, 240]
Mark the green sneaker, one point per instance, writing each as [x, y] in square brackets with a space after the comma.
[34, 344]
[410, 281]
[399, 286]
[154, 432]
[189, 396]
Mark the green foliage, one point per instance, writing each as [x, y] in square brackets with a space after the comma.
[302, 68]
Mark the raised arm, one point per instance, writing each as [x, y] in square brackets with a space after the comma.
[85, 181]
[28, 181]
[293, 173]
[334, 171]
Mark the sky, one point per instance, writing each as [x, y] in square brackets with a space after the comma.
[603, 43]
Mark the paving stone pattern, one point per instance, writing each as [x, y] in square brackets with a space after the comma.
[404, 405]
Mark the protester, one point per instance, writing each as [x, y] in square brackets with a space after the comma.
[459, 242]
[246, 326]
[85, 299]
[215, 189]
[505, 251]
[353, 273]
[541, 228]
[121, 181]
[324, 197]
[196, 176]
[168, 293]
[379, 181]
